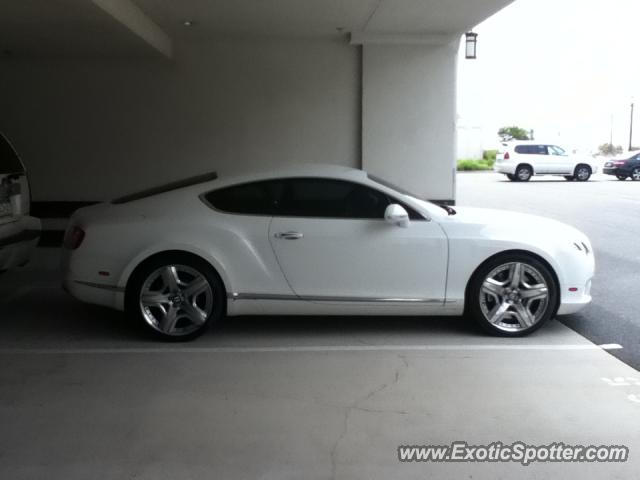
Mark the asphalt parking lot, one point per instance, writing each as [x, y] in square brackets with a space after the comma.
[607, 210]
[83, 396]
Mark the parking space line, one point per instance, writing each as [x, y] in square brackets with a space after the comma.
[301, 349]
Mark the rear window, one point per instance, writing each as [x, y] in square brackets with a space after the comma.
[9, 161]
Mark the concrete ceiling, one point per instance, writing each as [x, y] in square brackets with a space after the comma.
[318, 17]
[102, 28]
[44, 28]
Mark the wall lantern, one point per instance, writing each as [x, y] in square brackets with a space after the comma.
[471, 43]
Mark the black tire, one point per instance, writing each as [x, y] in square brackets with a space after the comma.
[569, 178]
[187, 268]
[524, 173]
[511, 177]
[582, 173]
[475, 303]
[635, 174]
[621, 177]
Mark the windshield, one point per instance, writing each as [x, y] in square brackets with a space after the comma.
[426, 203]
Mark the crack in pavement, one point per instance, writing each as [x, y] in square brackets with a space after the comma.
[355, 406]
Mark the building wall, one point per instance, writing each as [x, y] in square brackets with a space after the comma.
[409, 116]
[91, 129]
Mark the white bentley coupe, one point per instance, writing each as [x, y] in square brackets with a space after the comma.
[319, 240]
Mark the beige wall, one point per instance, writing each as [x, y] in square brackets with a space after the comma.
[409, 107]
[94, 129]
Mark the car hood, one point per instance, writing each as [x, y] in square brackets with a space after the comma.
[522, 223]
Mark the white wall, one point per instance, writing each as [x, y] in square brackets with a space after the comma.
[95, 129]
[470, 142]
[409, 113]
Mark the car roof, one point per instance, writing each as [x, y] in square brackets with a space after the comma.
[215, 181]
[291, 171]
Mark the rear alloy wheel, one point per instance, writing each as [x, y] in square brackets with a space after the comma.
[582, 173]
[513, 295]
[635, 174]
[176, 297]
[621, 177]
[569, 178]
[512, 177]
[524, 173]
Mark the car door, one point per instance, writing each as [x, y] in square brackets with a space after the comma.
[559, 160]
[333, 245]
[540, 159]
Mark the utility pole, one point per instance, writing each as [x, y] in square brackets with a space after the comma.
[611, 132]
[631, 129]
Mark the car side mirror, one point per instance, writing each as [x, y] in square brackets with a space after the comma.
[396, 215]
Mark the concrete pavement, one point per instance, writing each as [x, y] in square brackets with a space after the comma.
[82, 396]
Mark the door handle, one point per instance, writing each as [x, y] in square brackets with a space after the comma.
[289, 235]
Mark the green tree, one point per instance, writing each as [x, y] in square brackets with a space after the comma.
[513, 133]
[608, 149]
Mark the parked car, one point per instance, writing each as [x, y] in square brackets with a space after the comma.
[19, 232]
[625, 166]
[519, 161]
[323, 240]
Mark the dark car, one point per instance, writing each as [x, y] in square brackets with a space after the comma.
[624, 168]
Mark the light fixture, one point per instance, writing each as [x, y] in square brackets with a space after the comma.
[471, 43]
[188, 23]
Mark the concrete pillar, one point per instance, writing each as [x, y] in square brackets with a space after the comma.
[409, 115]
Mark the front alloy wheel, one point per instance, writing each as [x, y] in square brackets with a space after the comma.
[175, 297]
[635, 174]
[513, 296]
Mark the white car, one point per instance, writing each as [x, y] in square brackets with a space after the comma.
[319, 240]
[19, 232]
[519, 161]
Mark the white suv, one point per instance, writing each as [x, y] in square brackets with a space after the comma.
[19, 232]
[519, 161]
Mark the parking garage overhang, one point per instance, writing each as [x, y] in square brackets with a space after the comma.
[387, 104]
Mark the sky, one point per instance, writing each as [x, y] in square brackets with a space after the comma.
[568, 69]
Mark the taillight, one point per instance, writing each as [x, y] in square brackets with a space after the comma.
[506, 156]
[619, 163]
[73, 238]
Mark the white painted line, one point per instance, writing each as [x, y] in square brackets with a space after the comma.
[301, 349]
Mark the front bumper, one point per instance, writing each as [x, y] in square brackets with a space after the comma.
[17, 241]
[573, 302]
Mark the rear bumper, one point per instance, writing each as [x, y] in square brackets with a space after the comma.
[93, 293]
[17, 241]
[615, 171]
[505, 168]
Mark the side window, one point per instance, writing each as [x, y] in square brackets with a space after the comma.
[540, 150]
[526, 149]
[257, 198]
[328, 198]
